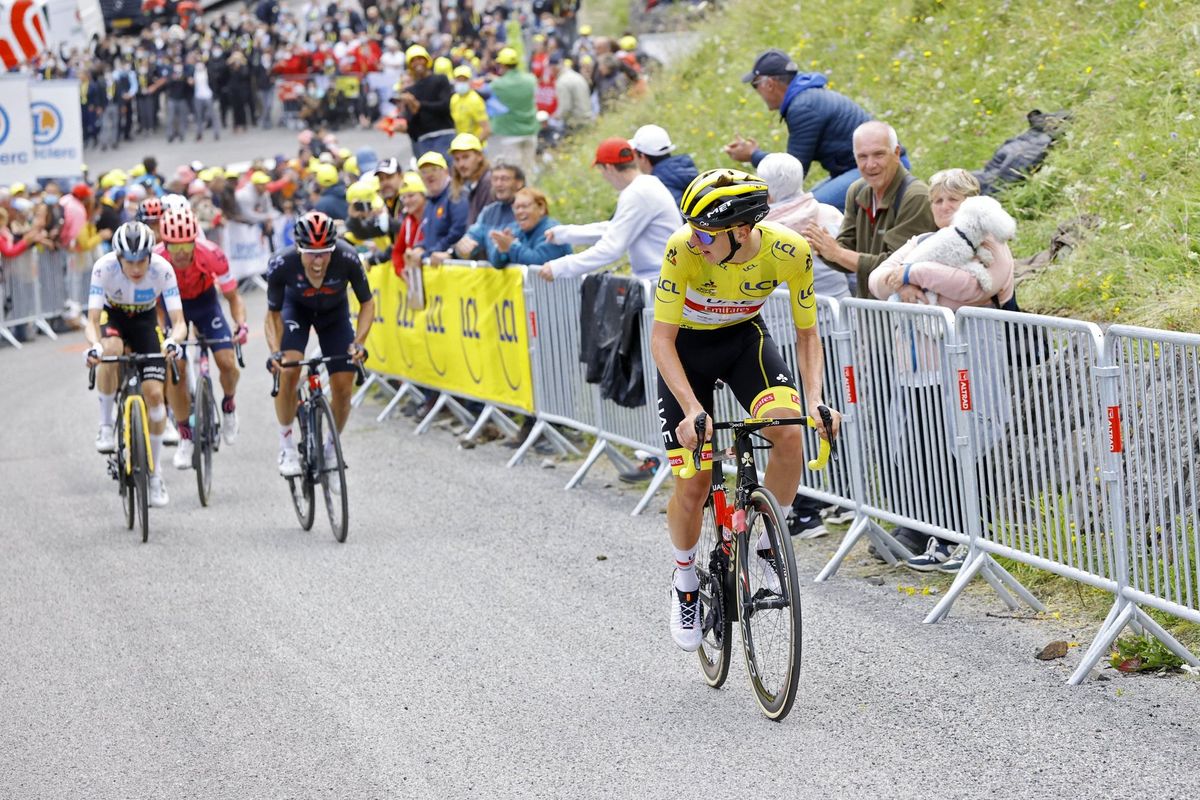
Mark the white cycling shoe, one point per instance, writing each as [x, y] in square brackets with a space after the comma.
[170, 433]
[183, 454]
[686, 627]
[229, 427]
[158, 492]
[289, 462]
[106, 439]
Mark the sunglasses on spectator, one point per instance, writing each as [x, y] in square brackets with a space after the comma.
[705, 235]
[360, 205]
[181, 248]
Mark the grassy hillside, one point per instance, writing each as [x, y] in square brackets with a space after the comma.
[956, 79]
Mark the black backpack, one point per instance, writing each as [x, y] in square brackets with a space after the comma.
[1019, 156]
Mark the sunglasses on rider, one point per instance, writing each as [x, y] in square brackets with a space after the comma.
[706, 235]
[181, 248]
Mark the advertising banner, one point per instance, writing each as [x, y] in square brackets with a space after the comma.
[469, 340]
[247, 249]
[57, 129]
[16, 131]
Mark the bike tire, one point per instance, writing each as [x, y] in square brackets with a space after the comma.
[332, 477]
[124, 479]
[140, 458]
[301, 488]
[771, 636]
[715, 571]
[202, 432]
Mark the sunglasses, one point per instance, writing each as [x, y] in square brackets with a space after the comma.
[706, 236]
[360, 206]
[180, 248]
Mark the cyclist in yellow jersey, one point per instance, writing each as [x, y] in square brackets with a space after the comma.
[718, 271]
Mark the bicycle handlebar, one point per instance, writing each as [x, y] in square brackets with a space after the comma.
[313, 363]
[134, 358]
[825, 447]
[237, 346]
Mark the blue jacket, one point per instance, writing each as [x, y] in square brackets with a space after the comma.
[820, 125]
[333, 202]
[445, 221]
[529, 248]
[495, 215]
[676, 173]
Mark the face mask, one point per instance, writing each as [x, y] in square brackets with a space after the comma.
[462, 88]
[50, 199]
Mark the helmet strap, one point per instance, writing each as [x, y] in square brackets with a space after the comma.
[733, 248]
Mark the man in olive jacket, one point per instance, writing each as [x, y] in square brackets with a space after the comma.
[884, 208]
[514, 114]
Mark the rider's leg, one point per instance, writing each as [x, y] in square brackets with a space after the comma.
[685, 511]
[106, 379]
[227, 365]
[289, 379]
[152, 391]
[180, 402]
[341, 392]
[787, 457]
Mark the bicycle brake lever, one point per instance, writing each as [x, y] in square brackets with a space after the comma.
[91, 377]
[827, 423]
[237, 349]
[691, 469]
[274, 384]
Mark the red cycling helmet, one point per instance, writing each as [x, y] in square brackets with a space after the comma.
[178, 225]
[150, 210]
[315, 233]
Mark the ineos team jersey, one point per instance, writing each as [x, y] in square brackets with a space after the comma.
[697, 295]
[111, 287]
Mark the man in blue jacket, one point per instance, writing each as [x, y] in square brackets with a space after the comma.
[820, 123]
[652, 149]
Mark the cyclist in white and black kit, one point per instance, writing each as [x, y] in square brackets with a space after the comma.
[126, 286]
[306, 289]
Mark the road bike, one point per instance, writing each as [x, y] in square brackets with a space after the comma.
[132, 463]
[747, 568]
[317, 428]
[206, 416]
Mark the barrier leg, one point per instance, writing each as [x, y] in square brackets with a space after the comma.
[1118, 617]
[495, 416]
[1160, 633]
[990, 578]
[1015, 585]
[857, 528]
[373, 379]
[974, 563]
[597, 450]
[618, 460]
[655, 482]
[427, 420]
[8, 337]
[45, 328]
[397, 398]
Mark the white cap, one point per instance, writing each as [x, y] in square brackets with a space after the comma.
[652, 140]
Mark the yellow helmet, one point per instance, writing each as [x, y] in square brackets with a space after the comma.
[364, 191]
[112, 179]
[508, 57]
[327, 175]
[412, 184]
[433, 158]
[351, 165]
[627, 42]
[721, 198]
[137, 171]
[462, 71]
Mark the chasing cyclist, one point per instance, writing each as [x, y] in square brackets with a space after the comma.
[126, 286]
[718, 271]
[306, 288]
[201, 270]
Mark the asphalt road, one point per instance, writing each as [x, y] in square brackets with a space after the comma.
[467, 641]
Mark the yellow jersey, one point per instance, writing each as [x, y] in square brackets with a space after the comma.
[697, 295]
[469, 113]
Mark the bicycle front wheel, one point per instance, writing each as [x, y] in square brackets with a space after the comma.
[125, 479]
[332, 470]
[716, 599]
[301, 487]
[140, 459]
[769, 606]
[204, 408]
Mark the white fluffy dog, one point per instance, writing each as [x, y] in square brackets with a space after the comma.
[958, 244]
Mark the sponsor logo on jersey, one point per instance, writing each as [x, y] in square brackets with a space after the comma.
[759, 287]
[784, 248]
[667, 291]
[143, 295]
[807, 297]
[708, 287]
[672, 253]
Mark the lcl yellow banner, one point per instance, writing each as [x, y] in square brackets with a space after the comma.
[470, 339]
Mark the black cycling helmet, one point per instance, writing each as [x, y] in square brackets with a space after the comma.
[133, 241]
[721, 198]
[315, 233]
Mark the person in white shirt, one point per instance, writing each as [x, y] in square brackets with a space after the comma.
[645, 218]
[203, 107]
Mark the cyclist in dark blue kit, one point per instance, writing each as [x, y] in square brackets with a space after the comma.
[306, 289]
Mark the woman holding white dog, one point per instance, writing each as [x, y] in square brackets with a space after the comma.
[952, 286]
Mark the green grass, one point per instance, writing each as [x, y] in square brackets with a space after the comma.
[956, 79]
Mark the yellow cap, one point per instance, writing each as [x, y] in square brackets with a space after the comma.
[433, 158]
[508, 57]
[207, 175]
[344, 153]
[18, 188]
[462, 71]
[351, 165]
[585, 30]
[466, 141]
[443, 66]
[539, 37]
[138, 171]
[416, 51]
[232, 174]
[361, 192]
[468, 53]
[412, 184]
[327, 175]
[260, 178]
[111, 179]
[627, 42]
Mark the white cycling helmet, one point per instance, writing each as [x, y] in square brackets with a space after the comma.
[133, 241]
[175, 201]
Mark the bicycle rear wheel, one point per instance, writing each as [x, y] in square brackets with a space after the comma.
[332, 475]
[769, 606]
[716, 599]
[301, 487]
[141, 466]
[203, 432]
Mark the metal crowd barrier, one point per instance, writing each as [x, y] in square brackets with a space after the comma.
[34, 292]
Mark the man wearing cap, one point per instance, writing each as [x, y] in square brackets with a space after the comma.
[425, 104]
[333, 193]
[515, 127]
[645, 218]
[652, 148]
[467, 106]
[471, 174]
[573, 93]
[445, 215]
[390, 180]
[506, 180]
[820, 122]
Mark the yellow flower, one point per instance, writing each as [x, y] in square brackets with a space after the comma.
[927, 53]
[1087, 70]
